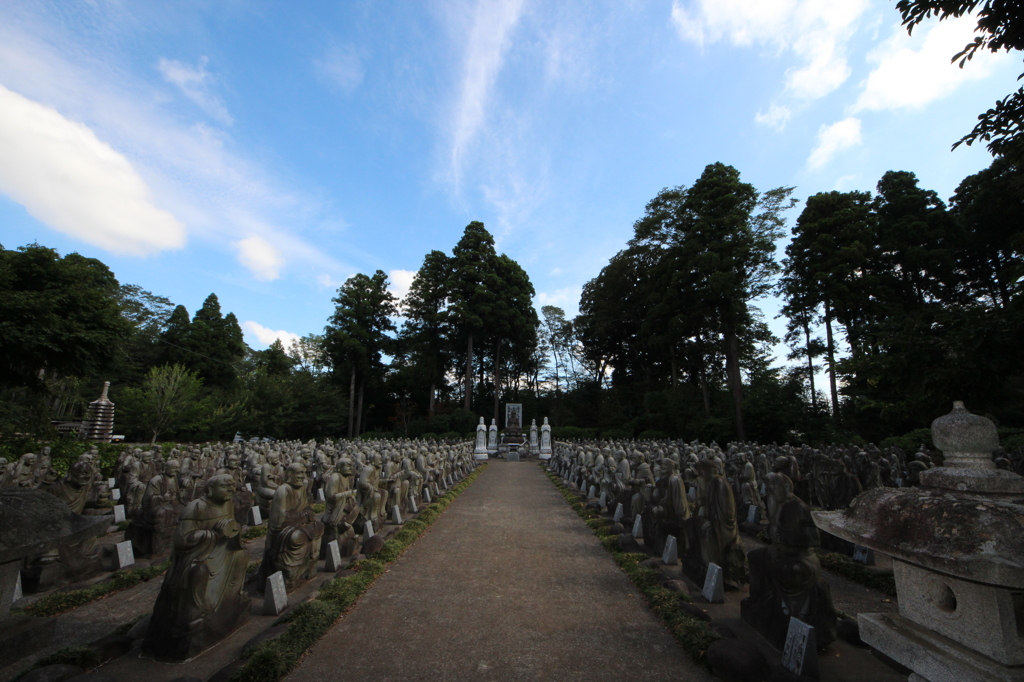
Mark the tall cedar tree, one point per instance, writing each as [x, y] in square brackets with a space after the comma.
[425, 330]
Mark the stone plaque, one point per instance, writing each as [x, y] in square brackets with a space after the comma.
[115, 494]
[714, 585]
[512, 456]
[604, 499]
[119, 513]
[248, 486]
[670, 556]
[412, 504]
[125, 554]
[513, 416]
[255, 516]
[367, 530]
[320, 495]
[592, 493]
[692, 494]
[863, 555]
[753, 514]
[17, 589]
[619, 512]
[800, 655]
[333, 562]
[763, 489]
[396, 516]
[111, 483]
[426, 496]
[275, 598]
[638, 526]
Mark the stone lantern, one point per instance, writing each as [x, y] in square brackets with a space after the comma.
[957, 548]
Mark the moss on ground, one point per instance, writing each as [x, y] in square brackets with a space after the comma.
[693, 634]
[274, 658]
[58, 602]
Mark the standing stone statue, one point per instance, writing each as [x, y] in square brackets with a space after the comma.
[480, 450]
[534, 436]
[202, 599]
[545, 438]
[720, 535]
[293, 533]
[492, 437]
[152, 529]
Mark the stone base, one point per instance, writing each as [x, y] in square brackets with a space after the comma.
[512, 456]
[480, 456]
[544, 455]
[931, 656]
[22, 636]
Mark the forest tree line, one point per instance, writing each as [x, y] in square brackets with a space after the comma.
[901, 301]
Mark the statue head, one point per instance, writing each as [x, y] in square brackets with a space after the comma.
[273, 457]
[219, 489]
[79, 474]
[171, 467]
[295, 475]
[147, 456]
[232, 462]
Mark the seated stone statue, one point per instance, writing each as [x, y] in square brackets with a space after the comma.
[243, 498]
[152, 529]
[340, 509]
[785, 577]
[202, 598]
[271, 476]
[720, 534]
[293, 533]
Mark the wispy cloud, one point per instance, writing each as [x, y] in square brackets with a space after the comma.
[833, 139]
[68, 178]
[488, 40]
[195, 82]
[341, 66]
[913, 71]
[776, 117]
[401, 281]
[192, 170]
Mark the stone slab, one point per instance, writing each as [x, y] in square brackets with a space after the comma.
[619, 512]
[125, 554]
[638, 526]
[119, 513]
[714, 585]
[333, 562]
[255, 516]
[275, 597]
[512, 456]
[670, 557]
[549, 603]
[115, 494]
[800, 654]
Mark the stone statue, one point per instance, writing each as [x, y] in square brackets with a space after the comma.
[340, 509]
[202, 599]
[720, 534]
[293, 533]
[152, 529]
[271, 476]
[242, 499]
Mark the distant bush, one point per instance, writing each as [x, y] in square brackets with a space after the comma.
[378, 435]
[911, 442]
[653, 434]
[572, 433]
[453, 435]
[618, 434]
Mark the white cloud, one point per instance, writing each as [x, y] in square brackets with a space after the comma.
[816, 31]
[328, 282]
[266, 336]
[913, 71]
[567, 299]
[776, 117]
[342, 67]
[68, 178]
[195, 82]
[833, 139]
[262, 259]
[487, 42]
[400, 280]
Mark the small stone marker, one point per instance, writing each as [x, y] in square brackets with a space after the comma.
[692, 493]
[17, 589]
[119, 513]
[511, 456]
[763, 489]
[412, 504]
[638, 526]
[367, 530]
[275, 598]
[604, 499]
[333, 562]
[753, 514]
[670, 557]
[714, 585]
[320, 495]
[396, 516]
[801, 653]
[426, 496]
[248, 486]
[115, 494]
[863, 555]
[899, 482]
[111, 483]
[255, 517]
[125, 554]
[592, 493]
[619, 513]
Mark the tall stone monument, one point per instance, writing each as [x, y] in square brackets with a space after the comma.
[99, 424]
[545, 440]
[480, 451]
[958, 558]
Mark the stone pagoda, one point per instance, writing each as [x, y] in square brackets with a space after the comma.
[99, 424]
[957, 547]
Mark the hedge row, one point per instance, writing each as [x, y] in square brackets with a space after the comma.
[56, 603]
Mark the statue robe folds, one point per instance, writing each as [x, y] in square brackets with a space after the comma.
[293, 539]
[202, 598]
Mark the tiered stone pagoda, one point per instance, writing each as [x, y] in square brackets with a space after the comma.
[99, 424]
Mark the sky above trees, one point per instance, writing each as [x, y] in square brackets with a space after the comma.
[270, 150]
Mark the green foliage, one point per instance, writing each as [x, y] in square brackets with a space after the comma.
[844, 566]
[167, 398]
[910, 442]
[272, 659]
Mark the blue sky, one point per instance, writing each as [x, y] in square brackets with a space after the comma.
[266, 151]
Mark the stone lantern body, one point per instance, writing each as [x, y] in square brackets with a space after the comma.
[957, 545]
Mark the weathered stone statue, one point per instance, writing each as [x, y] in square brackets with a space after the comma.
[242, 500]
[293, 534]
[720, 534]
[152, 529]
[271, 476]
[785, 577]
[341, 509]
[202, 598]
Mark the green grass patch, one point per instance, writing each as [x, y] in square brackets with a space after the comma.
[123, 525]
[694, 635]
[845, 567]
[253, 532]
[59, 602]
[273, 659]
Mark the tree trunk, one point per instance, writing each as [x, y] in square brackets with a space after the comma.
[433, 391]
[497, 378]
[810, 366]
[732, 367]
[704, 392]
[831, 361]
[351, 401]
[359, 410]
[467, 401]
[674, 379]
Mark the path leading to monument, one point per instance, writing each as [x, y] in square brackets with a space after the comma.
[508, 584]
